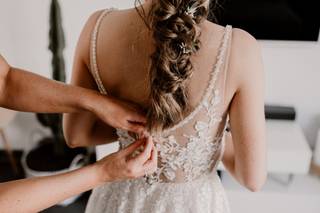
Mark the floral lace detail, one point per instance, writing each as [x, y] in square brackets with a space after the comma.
[124, 138]
[195, 157]
[189, 152]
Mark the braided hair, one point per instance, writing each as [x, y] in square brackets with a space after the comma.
[175, 29]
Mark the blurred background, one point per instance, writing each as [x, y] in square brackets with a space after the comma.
[288, 32]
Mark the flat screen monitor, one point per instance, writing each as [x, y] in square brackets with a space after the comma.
[270, 19]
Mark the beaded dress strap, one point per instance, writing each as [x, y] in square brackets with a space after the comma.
[216, 69]
[93, 52]
[226, 65]
[222, 59]
[224, 85]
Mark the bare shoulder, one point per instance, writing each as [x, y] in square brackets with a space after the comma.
[240, 37]
[212, 29]
[243, 39]
[116, 21]
[83, 45]
[245, 61]
[90, 23]
[245, 64]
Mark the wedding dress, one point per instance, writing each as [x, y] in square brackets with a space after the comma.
[186, 180]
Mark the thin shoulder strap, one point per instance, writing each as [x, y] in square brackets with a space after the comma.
[221, 68]
[217, 68]
[93, 52]
[226, 62]
[225, 76]
[214, 74]
[224, 69]
[219, 65]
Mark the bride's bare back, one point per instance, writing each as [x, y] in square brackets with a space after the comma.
[124, 60]
[123, 47]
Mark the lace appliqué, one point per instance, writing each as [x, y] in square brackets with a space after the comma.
[125, 140]
[190, 158]
[196, 157]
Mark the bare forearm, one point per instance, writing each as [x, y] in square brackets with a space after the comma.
[36, 194]
[231, 161]
[25, 91]
[84, 129]
[228, 157]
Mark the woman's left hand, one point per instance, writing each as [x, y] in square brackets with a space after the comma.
[127, 163]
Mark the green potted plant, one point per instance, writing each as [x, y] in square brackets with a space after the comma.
[51, 155]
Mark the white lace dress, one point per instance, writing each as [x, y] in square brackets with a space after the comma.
[186, 180]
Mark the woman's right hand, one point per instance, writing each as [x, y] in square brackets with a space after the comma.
[122, 165]
[44, 192]
[118, 113]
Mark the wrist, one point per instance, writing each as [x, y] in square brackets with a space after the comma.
[90, 100]
[102, 175]
[95, 174]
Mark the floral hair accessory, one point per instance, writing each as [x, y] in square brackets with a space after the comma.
[183, 48]
[190, 11]
[191, 8]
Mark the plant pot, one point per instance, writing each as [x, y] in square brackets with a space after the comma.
[47, 166]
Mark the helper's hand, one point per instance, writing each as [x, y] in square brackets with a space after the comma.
[43, 192]
[119, 114]
[122, 165]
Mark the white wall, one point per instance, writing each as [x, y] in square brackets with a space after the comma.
[293, 78]
[292, 68]
[24, 41]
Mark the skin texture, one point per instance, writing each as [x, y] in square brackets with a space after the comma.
[245, 155]
[93, 131]
[55, 97]
[44, 95]
[36, 194]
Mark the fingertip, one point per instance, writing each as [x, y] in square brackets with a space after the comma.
[140, 118]
[140, 129]
[134, 145]
[136, 128]
[144, 134]
[149, 140]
